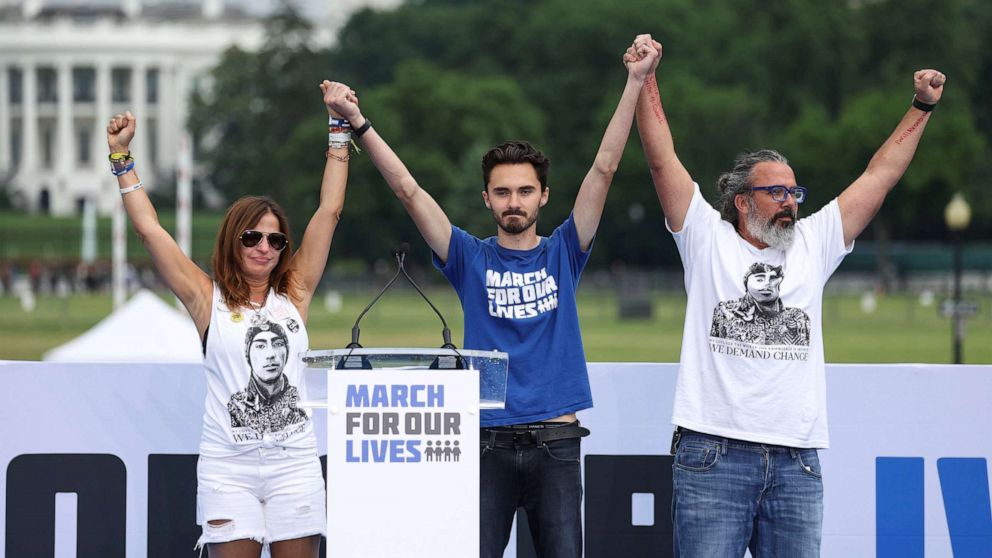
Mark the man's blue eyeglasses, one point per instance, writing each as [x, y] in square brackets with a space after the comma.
[779, 192]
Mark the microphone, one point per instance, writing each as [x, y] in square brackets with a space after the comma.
[399, 255]
[445, 332]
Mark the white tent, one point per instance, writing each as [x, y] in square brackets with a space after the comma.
[145, 329]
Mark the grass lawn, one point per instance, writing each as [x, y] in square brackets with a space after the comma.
[899, 330]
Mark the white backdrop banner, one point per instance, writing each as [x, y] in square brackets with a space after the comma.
[100, 459]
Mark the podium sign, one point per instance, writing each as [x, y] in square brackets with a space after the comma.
[403, 447]
[403, 463]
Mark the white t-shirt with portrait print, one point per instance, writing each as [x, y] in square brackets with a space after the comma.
[255, 379]
[752, 365]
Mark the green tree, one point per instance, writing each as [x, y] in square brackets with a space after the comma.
[443, 80]
[828, 154]
[254, 105]
[440, 123]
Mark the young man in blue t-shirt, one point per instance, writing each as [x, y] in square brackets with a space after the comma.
[517, 291]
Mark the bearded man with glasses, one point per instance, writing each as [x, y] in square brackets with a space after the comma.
[750, 401]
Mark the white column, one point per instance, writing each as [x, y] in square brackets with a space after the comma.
[5, 118]
[168, 126]
[212, 9]
[132, 8]
[65, 152]
[179, 89]
[184, 195]
[118, 254]
[30, 8]
[108, 185]
[140, 146]
[29, 129]
[87, 248]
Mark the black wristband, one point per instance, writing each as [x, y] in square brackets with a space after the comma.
[925, 107]
[362, 129]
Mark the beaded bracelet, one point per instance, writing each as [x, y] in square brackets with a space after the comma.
[342, 158]
[339, 137]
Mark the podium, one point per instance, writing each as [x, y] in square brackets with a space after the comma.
[403, 446]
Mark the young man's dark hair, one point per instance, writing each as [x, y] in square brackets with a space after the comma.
[515, 152]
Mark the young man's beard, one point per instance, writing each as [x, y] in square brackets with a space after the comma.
[769, 231]
[516, 226]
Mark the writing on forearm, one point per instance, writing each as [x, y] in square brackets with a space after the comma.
[654, 97]
[909, 131]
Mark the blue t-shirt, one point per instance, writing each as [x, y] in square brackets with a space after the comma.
[522, 302]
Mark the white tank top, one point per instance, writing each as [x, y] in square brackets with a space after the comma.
[254, 371]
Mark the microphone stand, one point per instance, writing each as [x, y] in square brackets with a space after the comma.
[399, 255]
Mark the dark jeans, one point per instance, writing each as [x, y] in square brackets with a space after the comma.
[731, 495]
[546, 480]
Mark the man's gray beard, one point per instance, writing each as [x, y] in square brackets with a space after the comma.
[768, 232]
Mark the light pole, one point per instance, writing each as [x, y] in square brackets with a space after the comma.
[957, 215]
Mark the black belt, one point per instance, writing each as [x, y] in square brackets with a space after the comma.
[530, 434]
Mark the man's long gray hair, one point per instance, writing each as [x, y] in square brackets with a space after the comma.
[738, 181]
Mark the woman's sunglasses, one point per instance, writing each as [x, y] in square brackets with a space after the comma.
[277, 240]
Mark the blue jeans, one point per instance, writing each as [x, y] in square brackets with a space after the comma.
[546, 480]
[730, 495]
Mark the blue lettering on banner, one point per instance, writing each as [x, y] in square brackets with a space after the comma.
[964, 484]
[382, 451]
[396, 395]
[413, 429]
[899, 506]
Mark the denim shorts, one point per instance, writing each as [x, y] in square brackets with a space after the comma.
[268, 495]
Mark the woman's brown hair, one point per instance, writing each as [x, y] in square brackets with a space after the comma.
[241, 216]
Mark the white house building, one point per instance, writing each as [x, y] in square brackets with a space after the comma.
[65, 69]
[66, 66]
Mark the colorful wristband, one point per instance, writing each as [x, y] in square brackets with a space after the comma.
[121, 171]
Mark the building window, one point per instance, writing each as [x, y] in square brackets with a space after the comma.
[151, 85]
[47, 86]
[83, 148]
[152, 141]
[120, 80]
[44, 200]
[15, 144]
[83, 85]
[47, 147]
[15, 81]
